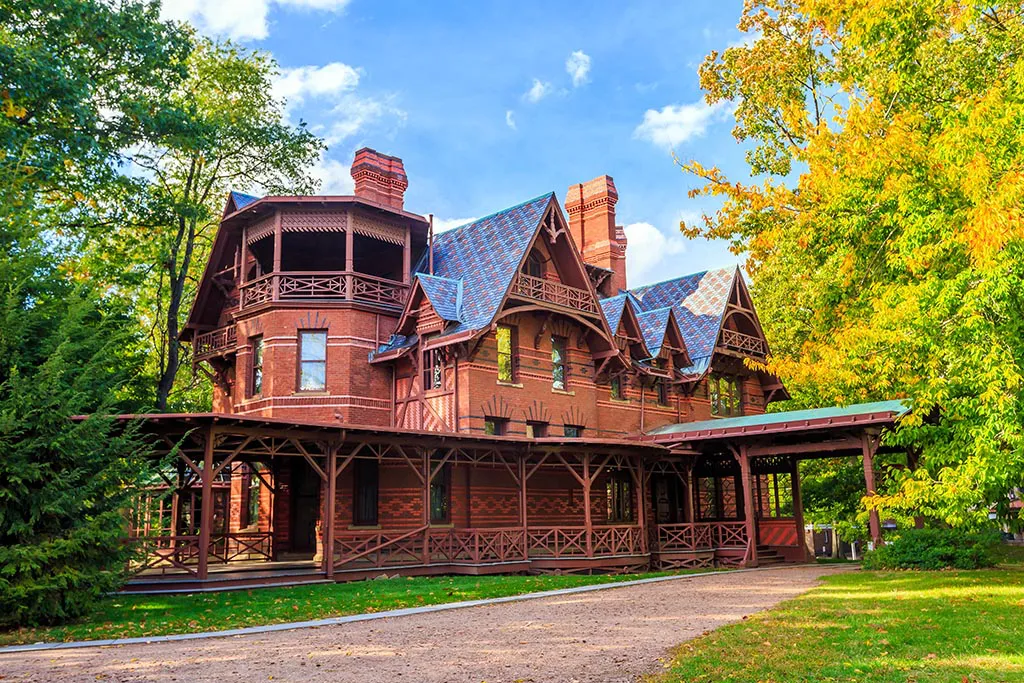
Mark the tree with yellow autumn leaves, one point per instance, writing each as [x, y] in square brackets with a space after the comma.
[884, 230]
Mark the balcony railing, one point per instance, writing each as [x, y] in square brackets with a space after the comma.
[322, 286]
[554, 293]
[743, 343]
[219, 342]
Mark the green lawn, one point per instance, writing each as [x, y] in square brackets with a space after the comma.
[128, 616]
[920, 627]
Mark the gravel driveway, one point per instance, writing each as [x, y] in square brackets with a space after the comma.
[608, 635]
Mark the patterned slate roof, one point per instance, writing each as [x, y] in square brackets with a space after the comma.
[612, 308]
[653, 325]
[242, 200]
[485, 255]
[444, 294]
[699, 302]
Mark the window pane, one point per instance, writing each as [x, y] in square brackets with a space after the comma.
[506, 353]
[313, 377]
[314, 345]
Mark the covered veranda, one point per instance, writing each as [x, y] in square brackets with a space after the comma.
[249, 501]
[750, 462]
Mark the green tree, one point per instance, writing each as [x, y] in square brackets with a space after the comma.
[883, 229]
[227, 131]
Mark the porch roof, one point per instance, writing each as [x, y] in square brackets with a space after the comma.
[860, 414]
[420, 437]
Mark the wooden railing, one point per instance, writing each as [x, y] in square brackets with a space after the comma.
[160, 554]
[552, 292]
[477, 545]
[331, 286]
[557, 541]
[240, 545]
[217, 342]
[618, 540]
[744, 343]
[700, 536]
[729, 534]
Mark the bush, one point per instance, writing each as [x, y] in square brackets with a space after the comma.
[934, 549]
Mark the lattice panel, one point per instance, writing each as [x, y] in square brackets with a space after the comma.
[259, 230]
[314, 221]
[378, 230]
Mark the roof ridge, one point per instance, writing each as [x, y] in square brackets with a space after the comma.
[680, 277]
[489, 216]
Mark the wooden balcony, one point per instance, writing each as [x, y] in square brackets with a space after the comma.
[219, 342]
[548, 291]
[322, 286]
[743, 343]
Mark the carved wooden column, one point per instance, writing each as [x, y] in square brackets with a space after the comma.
[587, 522]
[332, 488]
[748, 506]
[798, 508]
[206, 512]
[868, 448]
[349, 258]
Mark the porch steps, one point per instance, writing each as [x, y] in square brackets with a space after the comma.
[768, 556]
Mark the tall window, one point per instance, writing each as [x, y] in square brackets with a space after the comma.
[661, 391]
[495, 426]
[250, 503]
[312, 360]
[507, 346]
[617, 388]
[256, 378]
[619, 493]
[534, 265]
[573, 431]
[441, 496]
[725, 395]
[433, 369]
[366, 477]
[558, 362]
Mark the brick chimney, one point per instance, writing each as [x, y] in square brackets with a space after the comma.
[379, 178]
[591, 209]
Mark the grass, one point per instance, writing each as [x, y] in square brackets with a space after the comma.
[128, 616]
[875, 627]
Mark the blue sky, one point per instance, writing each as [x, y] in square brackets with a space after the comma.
[490, 103]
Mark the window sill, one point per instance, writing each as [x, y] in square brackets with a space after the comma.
[562, 392]
[620, 400]
[442, 525]
[361, 527]
[311, 392]
[511, 385]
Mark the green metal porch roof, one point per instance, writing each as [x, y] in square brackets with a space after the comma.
[784, 421]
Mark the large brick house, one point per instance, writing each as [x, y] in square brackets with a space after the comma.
[493, 398]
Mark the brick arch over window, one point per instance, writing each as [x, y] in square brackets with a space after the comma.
[497, 406]
[537, 412]
[312, 321]
[574, 416]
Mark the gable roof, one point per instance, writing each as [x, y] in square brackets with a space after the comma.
[485, 255]
[653, 325]
[698, 302]
[242, 200]
[444, 294]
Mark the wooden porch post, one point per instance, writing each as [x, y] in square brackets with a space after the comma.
[798, 508]
[748, 507]
[587, 522]
[277, 256]
[349, 259]
[868, 451]
[691, 493]
[523, 521]
[206, 512]
[641, 507]
[332, 486]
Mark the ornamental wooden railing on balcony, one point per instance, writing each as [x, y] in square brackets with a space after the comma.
[322, 286]
[217, 342]
[541, 289]
[743, 343]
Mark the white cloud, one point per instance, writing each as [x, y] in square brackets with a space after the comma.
[237, 19]
[578, 66]
[510, 119]
[330, 80]
[538, 91]
[446, 224]
[335, 177]
[675, 124]
[648, 250]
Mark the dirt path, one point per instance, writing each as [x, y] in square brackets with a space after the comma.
[611, 635]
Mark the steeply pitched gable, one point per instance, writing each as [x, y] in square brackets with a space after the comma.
[444, 294]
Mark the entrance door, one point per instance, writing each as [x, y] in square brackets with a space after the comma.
[305, 506]
[669, 499]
